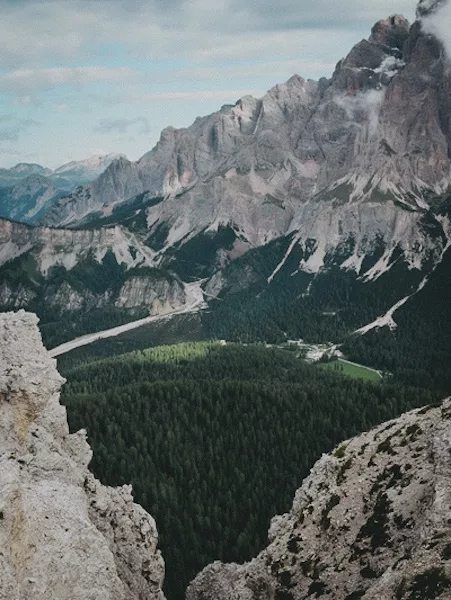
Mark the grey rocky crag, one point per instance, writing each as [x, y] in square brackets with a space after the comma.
[372, 520]
[63, 535]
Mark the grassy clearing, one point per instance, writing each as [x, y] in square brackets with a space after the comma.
[352, 370]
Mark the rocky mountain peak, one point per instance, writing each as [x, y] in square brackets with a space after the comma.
[94, 163]
[391, 32]
[367, 63]
[63, 535]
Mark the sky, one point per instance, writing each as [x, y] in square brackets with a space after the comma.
[86, 77]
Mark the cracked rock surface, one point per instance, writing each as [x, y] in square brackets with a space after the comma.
[63, 535]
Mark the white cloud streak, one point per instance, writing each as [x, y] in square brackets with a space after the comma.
[227, 96]
[71, 29]
[122, 126]
[12, 129]
[28, 80]
[439, 25]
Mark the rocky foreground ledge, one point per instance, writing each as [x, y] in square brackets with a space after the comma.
[63, 535]
[372, 520]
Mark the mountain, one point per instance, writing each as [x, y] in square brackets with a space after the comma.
[28, 197]
[338, 138]
[82, 172]
[63, 534]
[370, 521]
[20, 171]
[327, 162]
[320, 210]
[27, 190]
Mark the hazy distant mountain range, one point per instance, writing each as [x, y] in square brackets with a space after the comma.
[27, 189]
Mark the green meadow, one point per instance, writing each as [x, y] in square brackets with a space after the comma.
[352, 370]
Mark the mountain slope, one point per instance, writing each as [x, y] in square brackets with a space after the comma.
[361, 156]
[82, 172]
[20, 171]
[371, 520]
[78, 280]
[28, 197]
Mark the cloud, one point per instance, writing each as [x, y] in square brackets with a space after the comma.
[301, 14]
[11, 130]
[10, 156]
[73, 29]
[122, 126]
[198, 95]
[439, 25]
[282, 69]
[23, 100]
[30, 80]
[60, 108]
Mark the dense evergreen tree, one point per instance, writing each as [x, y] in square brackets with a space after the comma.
[215, 439]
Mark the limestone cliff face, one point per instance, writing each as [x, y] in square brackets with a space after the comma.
[63, 535]
[345, 158]
[372, 520]
[45, 259]
[66, 248]
[380, 124]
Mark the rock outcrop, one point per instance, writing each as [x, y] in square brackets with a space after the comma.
[372, 520]
[63, 535]
[73, 270]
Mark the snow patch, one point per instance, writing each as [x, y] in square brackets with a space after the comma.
[293, 243]
[353, 263]
[382, 266]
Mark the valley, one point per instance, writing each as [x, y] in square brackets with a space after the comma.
[115, 331]
[216, 437]
[228, 312]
